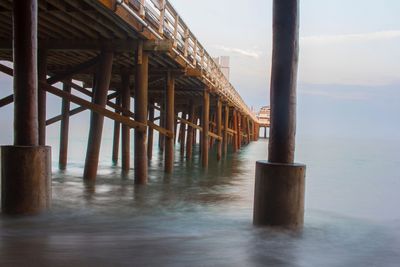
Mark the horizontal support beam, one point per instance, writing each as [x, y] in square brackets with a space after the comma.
[6, 70]
[230, 131]
[84, 44]
[109, 103]
[211, 134]
[215, 136]
[189, 123]
[70, 113]
[93, 107]
[160, 129]
[75, 111]
[131, 114]
[6, 100]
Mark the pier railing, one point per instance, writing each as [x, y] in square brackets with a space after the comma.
[161, 18]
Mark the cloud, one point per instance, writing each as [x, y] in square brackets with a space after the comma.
[246, 53]
[357, 37]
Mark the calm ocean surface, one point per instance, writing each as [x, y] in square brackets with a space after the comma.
[198, 218]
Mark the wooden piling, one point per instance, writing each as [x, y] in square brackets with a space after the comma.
[236, 129]
[141, 96]
[42, 76]
[190, 131]
[176, 127]
[150, 133]
[195, 131]
[102, 84]
[219, 128]
[117, 130]
[26, 166]
[64, 130]
[248, 129]
[283, 82]
[205, 125]
[182, 136]
[126, 131]
[226, 126]
[161, 137]
[212, 126]
[170, 123]
[25, 73]
[280, 183]
[239, 125]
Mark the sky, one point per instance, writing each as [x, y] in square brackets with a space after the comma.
[349, 68]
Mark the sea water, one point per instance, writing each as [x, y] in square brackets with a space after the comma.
[204, 218]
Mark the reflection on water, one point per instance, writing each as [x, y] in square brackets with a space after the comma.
[196, 218]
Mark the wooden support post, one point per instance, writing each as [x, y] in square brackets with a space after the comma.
[253, 130]
[126, 131]
[236, 129]
[226, 126]
[211, 140]
[150, 133]
[117, 130]
[239, 136]
[26, 166]
[283, 82]
[102, 84]
[196, 121]
[182, 136]
[280, 183]
[42, 76]
[141, 95]
[200, 116]
[161, 137]
[64, 130]
[248, 130]
[170, 121]
[205, 125]
[25, 73]
[219, 128]
[190, 131]
[176, 128]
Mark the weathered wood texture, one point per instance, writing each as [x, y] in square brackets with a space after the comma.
[102, 84]
[126, 130]
[42, 76]
[141, 94]
[283, 81]
[219, 129]
[64, 130]
[150, 133]
[205, 125]
[25, 20]
[116, 136]
[170, 123]
[190, 131]
[226, 126]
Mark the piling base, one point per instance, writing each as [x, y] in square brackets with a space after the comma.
[25, 179]
[279, 194]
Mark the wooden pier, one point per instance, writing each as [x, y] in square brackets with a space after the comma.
[115, 52]
[264, 119]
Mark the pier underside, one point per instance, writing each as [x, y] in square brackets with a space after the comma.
[112, 51]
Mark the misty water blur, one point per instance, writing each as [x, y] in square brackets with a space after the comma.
[204, 218]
